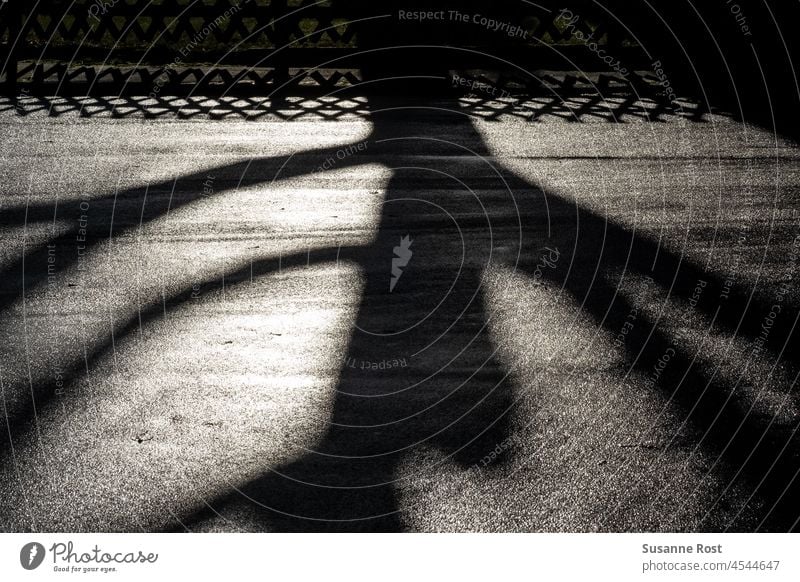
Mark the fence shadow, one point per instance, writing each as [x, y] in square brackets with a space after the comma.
[571, 98]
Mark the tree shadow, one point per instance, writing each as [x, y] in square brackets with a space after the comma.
[421, 368]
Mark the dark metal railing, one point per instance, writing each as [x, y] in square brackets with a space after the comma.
[77, 45]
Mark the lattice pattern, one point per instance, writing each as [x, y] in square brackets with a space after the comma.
[195, 79]
[174, 24]
[287, 36]
[254, 23]
[570, 108]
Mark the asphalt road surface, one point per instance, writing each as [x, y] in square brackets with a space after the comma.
[379, 315]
